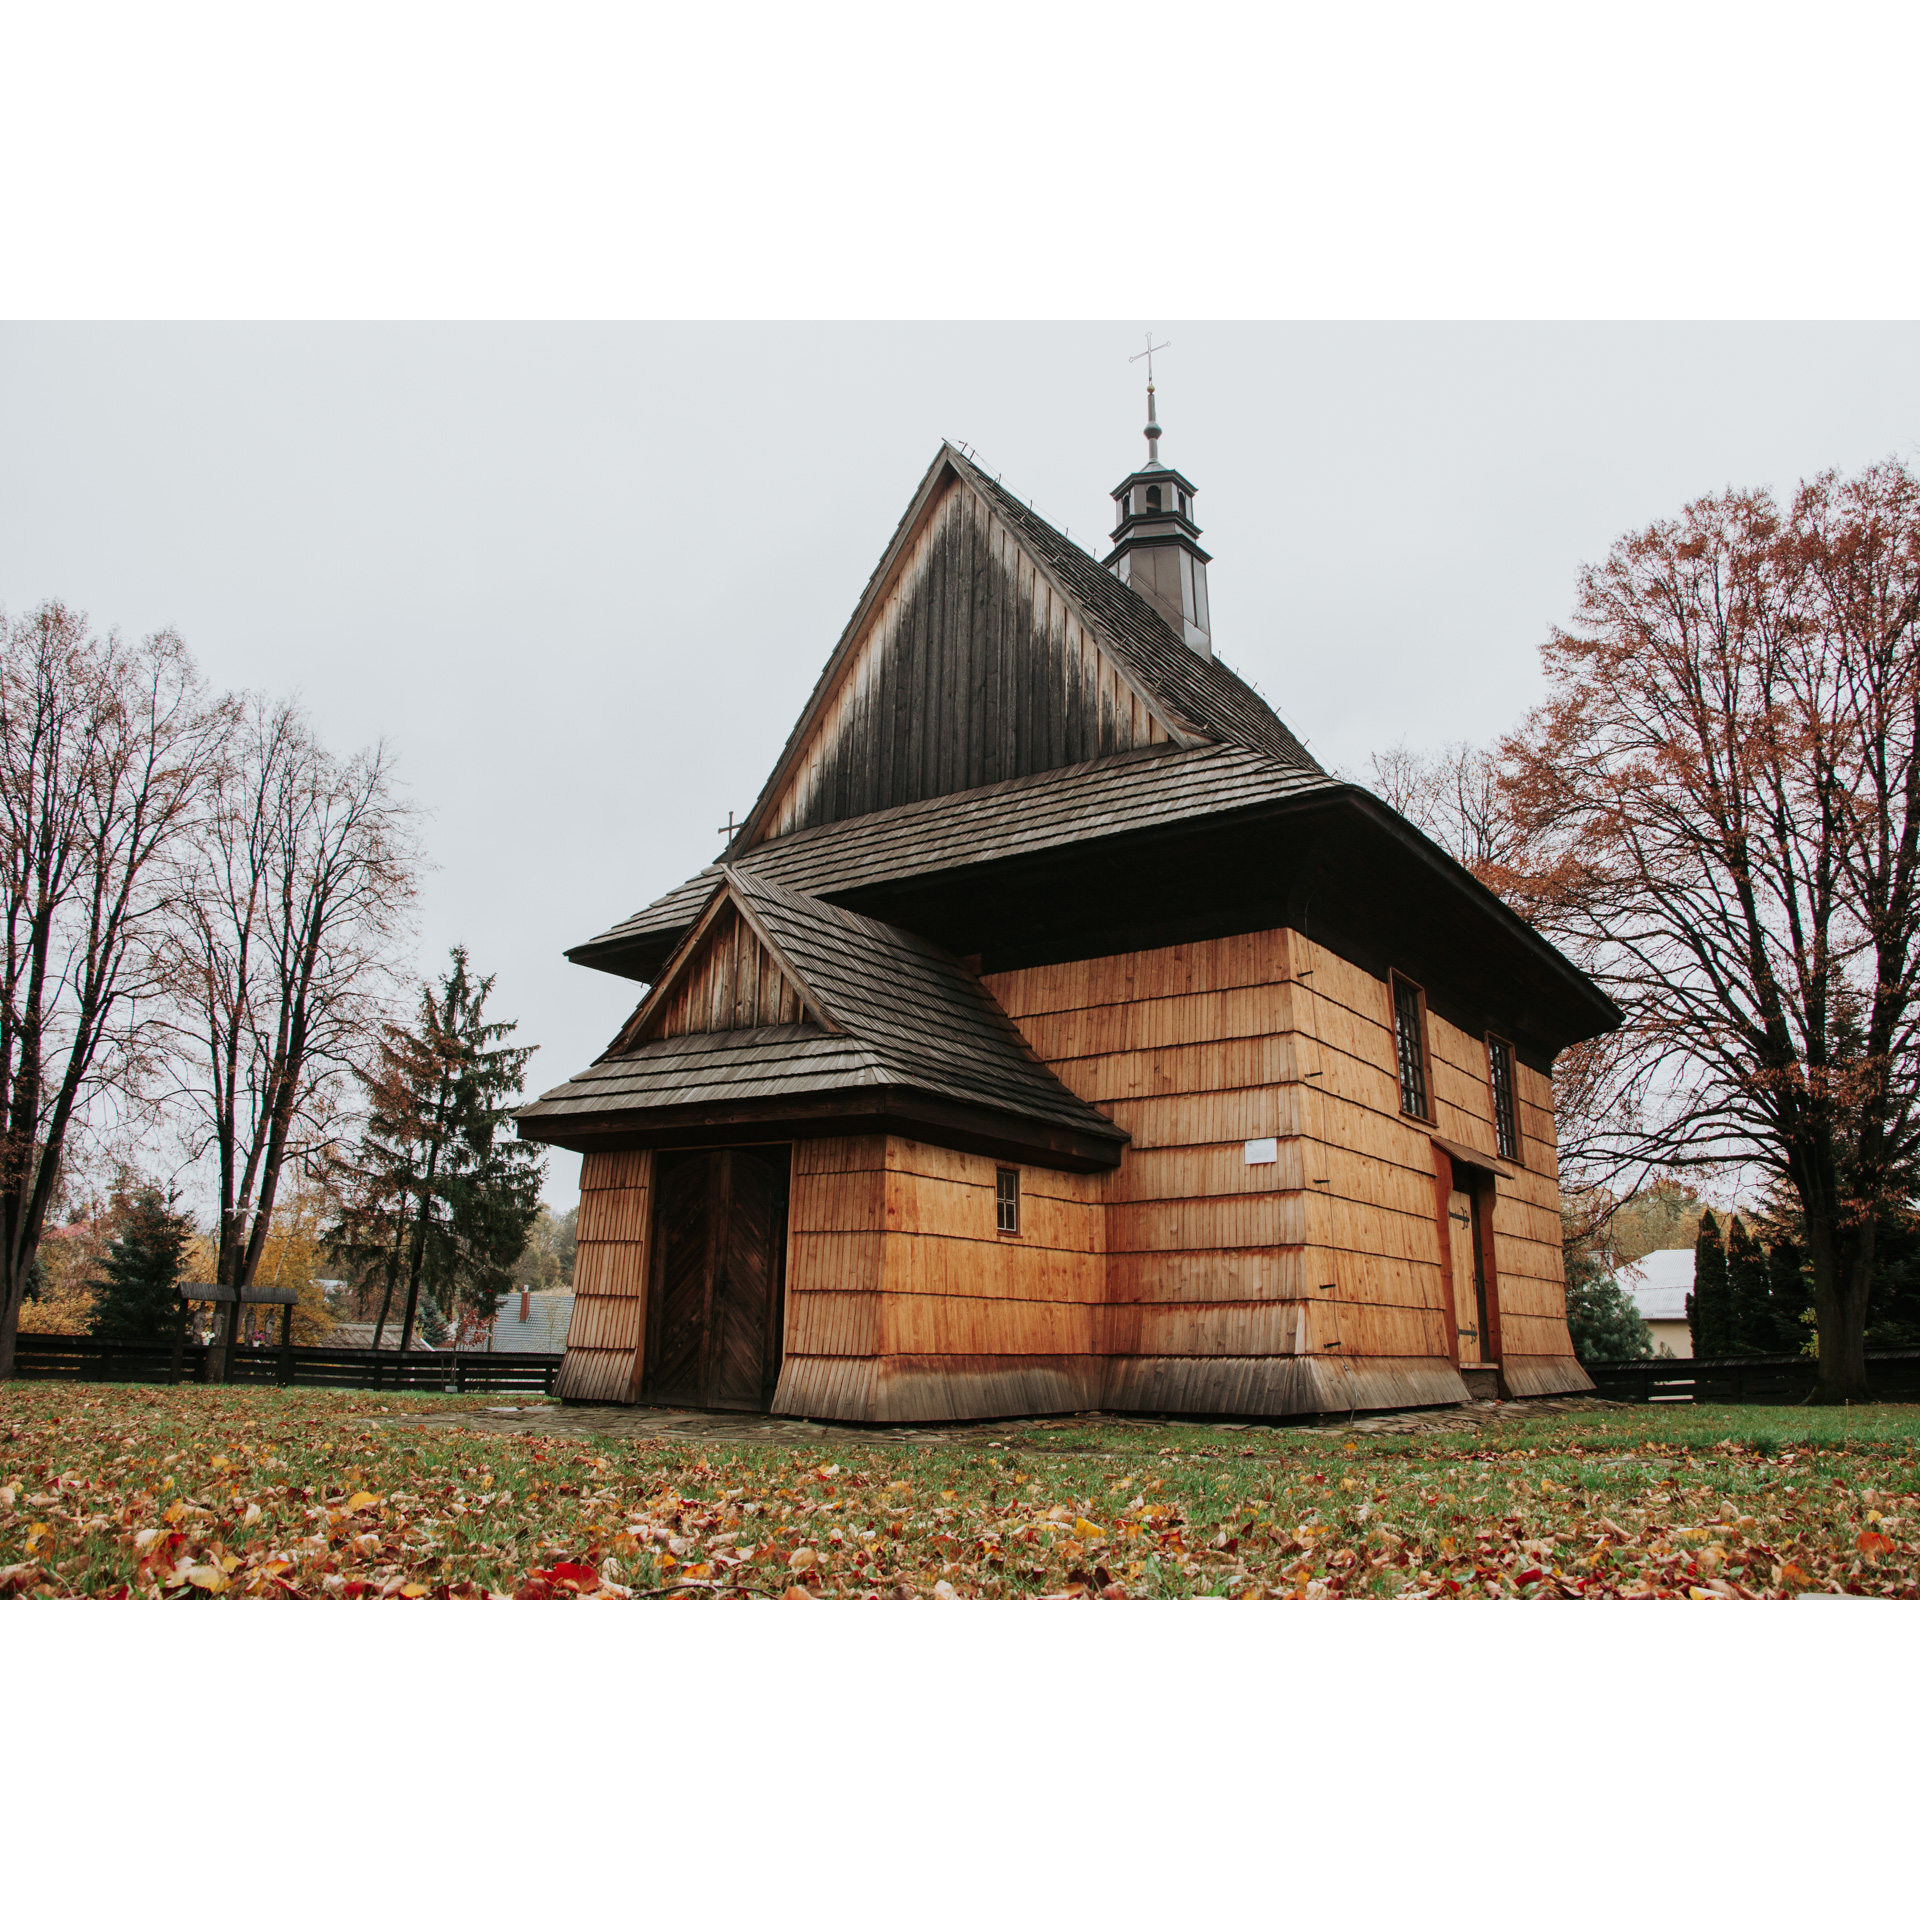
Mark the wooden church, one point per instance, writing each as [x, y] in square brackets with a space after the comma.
[1056, 1034]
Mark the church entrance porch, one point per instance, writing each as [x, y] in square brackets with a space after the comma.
[717, 1278]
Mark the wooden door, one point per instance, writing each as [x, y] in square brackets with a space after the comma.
[717, 1278]
[1469, 1270]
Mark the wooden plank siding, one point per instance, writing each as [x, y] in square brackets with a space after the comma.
[972, 669]
[606, 1334]
[1185, 1280]
[904, 1301]
[731, 982]
[1195, 1050]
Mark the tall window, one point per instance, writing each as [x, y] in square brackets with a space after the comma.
[1506, 1114]
[1409, 1034]
[1153, 499]
[1006, 1198]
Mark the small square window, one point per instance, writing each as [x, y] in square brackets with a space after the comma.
[1506, 1116]
[1006, 1199]
[1410, 1045]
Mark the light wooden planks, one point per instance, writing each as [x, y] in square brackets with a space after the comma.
[606, 1332]
[1199, 1282]
[1196, 1049]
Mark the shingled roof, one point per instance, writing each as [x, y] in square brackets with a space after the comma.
[903, 1015]
[1064, 807]
[1204, 694]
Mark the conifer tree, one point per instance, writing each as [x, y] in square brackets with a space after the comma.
[1792, 1296]
[1750, 1297]
[1712, 1316]
[1601, 1316]
[140, 1300]
[442, 1193]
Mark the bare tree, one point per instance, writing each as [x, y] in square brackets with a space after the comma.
[106, 751]
[281, 954]
[1720, 809]
[1454, 796]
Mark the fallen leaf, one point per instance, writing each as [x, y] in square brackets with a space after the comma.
[801, 1558]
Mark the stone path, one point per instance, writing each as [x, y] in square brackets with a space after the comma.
[1070, 1433]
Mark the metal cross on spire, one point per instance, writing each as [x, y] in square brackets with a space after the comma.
[1153, 420]
[1147, 356]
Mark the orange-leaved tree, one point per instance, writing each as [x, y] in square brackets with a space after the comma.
[1718, 809]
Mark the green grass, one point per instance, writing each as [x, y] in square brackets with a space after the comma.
[179, 1492]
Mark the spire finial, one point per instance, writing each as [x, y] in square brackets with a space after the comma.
[1153, 424]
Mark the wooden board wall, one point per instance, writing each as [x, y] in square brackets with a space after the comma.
[904, 1302]
[1185, 1279]
[971, 670]
[1192, 1049]
[732, 981]
[609, 1278]
[1330, 1251]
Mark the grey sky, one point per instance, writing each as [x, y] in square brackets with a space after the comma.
[583, 576]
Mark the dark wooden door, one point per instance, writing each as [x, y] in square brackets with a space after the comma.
[717, 1278]
[1464, 1211]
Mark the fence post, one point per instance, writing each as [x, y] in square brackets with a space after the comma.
[286, 1344]
[179, 1344]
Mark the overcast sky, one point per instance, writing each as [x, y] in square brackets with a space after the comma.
[582, 577]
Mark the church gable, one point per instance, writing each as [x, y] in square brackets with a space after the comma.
[969, 665]
[726, 978]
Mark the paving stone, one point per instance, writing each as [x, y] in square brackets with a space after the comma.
[1024, 1436]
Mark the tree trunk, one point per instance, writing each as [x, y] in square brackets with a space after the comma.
[10, 1326]
[393, 1274]
[418, 1259]
[1842, 1284]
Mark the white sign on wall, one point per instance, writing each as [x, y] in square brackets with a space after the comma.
[1262, 1153]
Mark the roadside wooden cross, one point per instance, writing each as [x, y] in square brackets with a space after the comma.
[193, 1293]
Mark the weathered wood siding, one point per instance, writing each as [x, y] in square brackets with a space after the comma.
[1329, 1255]
[1184, 1280]
[905, 1303]
[731, 981]
[970, 670]
[609, 1278]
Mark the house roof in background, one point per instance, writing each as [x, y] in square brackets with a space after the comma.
[1659, 1283]
[549, 1314]
[359, 1333]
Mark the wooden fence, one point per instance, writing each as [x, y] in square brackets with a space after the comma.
[60, 1356]
[1763, 1380]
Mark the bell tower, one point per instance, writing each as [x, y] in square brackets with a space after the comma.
[1156, 545]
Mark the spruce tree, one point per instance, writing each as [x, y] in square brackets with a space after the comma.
[1712, 1317]
[1601, 1316]
[140, 1298]
[442, 1192]
[1749, 1295]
